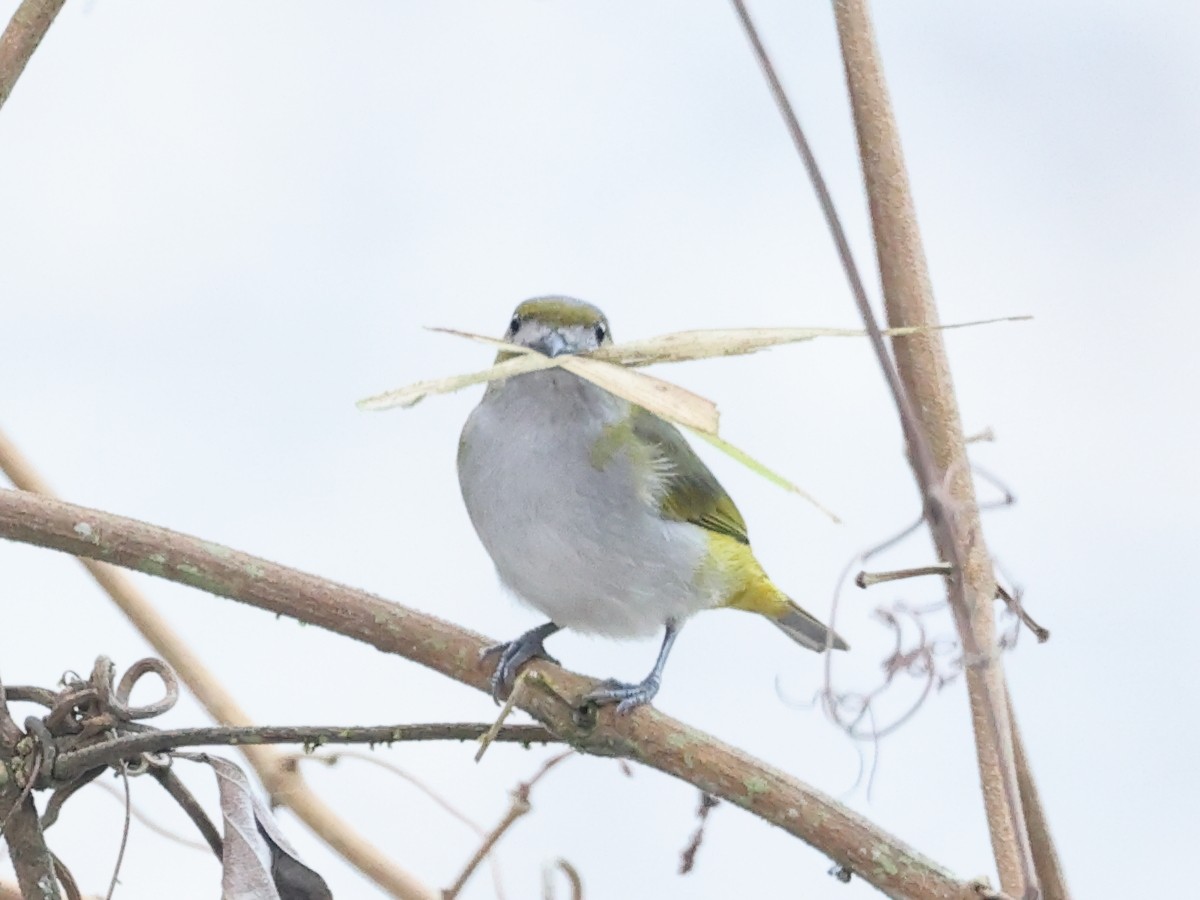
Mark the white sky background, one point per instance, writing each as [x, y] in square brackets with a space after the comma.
[222, 223]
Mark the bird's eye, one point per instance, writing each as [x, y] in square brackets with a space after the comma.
[601, 332]
[515, 325]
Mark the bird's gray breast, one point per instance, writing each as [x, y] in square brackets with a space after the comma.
[573, 531]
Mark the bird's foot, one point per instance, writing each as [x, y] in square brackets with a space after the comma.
[628, 697]
[513, 655]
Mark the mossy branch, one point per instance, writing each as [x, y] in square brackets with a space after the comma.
[647, 736]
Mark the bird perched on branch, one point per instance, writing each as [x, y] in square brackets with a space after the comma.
[599, 514]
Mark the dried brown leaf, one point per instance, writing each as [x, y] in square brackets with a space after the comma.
[258, 862]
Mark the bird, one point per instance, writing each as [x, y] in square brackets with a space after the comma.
[600, 515]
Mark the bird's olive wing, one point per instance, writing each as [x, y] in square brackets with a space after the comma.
[693, 493]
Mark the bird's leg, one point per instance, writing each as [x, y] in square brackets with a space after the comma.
[515, 654]
[629, 697]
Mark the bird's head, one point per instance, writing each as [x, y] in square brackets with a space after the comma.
[558, 325]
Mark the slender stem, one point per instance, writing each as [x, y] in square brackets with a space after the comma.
[73, 763]
[518, 808]
[940, 462]
[935, 440]
[112, 885]
[174, 786]
[867, 579]
[646, 736]
[24, 32]
[1014, 605]
[1045, 856]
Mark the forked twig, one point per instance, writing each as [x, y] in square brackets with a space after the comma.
[331, 759]
[520, 806]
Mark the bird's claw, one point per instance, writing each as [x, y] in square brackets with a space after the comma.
[513, 655]
[627, 697]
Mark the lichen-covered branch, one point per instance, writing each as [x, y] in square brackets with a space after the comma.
[31, 859]
[647, 736]
[285, 784]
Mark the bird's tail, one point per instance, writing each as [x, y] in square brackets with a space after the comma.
[806, 630]
[758, 594]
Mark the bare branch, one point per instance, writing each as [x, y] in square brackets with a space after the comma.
[1013, 602]
[285, 785]
[519, 807]
[1045, 856]
[935, 439]
[929, 411]
[31, 858]
[332, 759]
[24, 32]
[74, 763]
[191, 807]
[646, 736]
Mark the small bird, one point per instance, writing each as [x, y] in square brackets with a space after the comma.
[599, 514]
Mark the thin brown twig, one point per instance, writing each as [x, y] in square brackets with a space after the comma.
[112, 886]
[72, 763]
[1050, 871]
[646, 736]
[867, 579]
[687, 859]
[331, 759]
[285, 788]
[1014, 604]
[519, 807]
[25, 31]
[573, 879]
[178, 791]
[66, 879]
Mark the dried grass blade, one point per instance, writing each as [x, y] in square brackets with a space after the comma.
[683, 346]
[415, 393]
[665, 400]
[770, 474]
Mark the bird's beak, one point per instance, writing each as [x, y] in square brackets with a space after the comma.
[553, 344]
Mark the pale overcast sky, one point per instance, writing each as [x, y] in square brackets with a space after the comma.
[222, 223]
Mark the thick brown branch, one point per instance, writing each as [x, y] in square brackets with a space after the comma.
[31, 859]
[647, 736]
[920, 381]
[24, 32]
[284, 783]
[939, 454]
